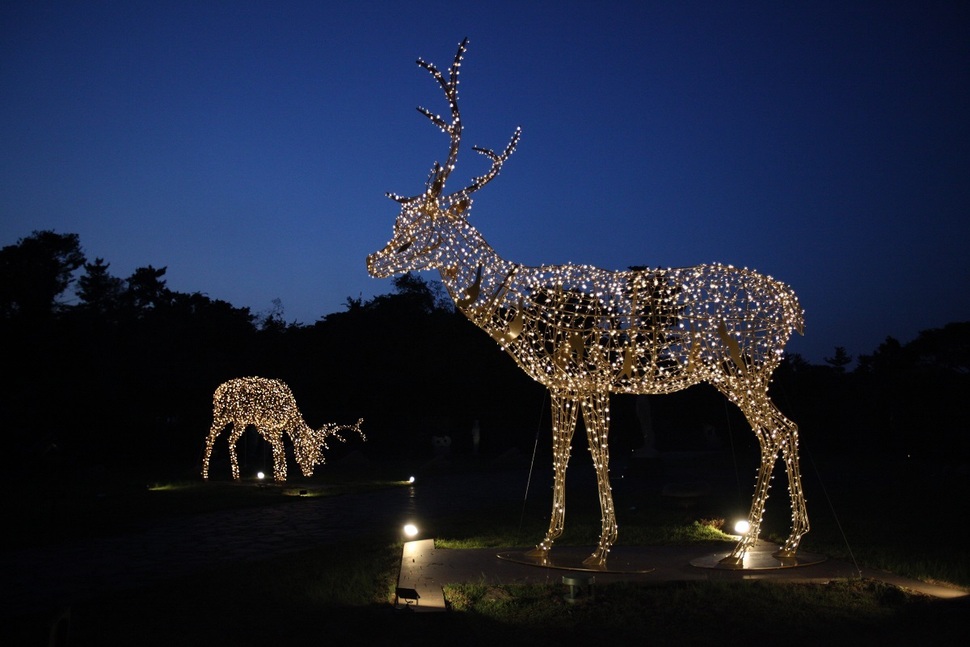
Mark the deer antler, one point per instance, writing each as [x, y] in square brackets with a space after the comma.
[497, 161]
[453, 129]
[439, 174]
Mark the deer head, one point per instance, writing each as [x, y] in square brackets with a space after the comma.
[424, 232]
[310, 444]
[307, 448]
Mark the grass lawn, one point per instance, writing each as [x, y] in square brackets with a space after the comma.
[341, 594]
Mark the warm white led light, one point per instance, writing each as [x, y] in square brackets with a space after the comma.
[269, 406]
[584, 332]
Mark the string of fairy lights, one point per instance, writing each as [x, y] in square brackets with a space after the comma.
[269, 406]
[585, 332]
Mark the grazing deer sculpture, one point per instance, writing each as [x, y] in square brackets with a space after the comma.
[585, 333]
[270, 407]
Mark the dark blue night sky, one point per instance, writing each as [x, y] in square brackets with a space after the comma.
[247, 146]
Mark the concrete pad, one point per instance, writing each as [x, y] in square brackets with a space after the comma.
[573, 561]
[426, 569]
[759, 557]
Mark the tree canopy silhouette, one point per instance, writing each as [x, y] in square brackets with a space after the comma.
[122, 370]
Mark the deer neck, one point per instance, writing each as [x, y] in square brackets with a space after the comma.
[474, 272]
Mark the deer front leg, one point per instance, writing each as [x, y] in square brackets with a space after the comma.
[237, 432]
[596, 415]
[799, 512]
[776, 434]
[214, 432]
[275, 439]
[769, 455]
[564, 412]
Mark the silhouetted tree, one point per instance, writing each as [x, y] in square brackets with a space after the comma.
[887, 358]
[146, 289]
[273, 320]
[915, 394]
[839, 360]
[414, 293]
[36, 271]
[945, 349]
[98, 291]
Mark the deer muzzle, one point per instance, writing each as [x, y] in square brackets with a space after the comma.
[377, 265]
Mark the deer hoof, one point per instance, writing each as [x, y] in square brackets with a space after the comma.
[596, 560]
[541, 555]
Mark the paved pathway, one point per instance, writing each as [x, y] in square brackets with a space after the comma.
[54, 576]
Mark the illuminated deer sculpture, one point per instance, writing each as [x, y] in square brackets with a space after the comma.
[585, 333]
[269, 406]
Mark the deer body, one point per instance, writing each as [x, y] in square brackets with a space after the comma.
[269, 406]
[584, 332]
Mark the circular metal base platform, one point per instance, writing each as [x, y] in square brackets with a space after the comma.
[759, 558]
[572, 560]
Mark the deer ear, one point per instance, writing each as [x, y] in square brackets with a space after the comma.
[436, 182]
[400, 199]
[460, 208]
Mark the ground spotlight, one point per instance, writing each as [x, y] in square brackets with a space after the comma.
[742, 527]
[260, 475]
[410, 530]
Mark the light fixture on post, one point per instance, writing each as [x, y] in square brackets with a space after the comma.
[580, 587]
[407, 595]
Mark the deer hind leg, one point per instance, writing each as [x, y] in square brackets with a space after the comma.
[216, 429]
[596, 415]
[564, 413]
